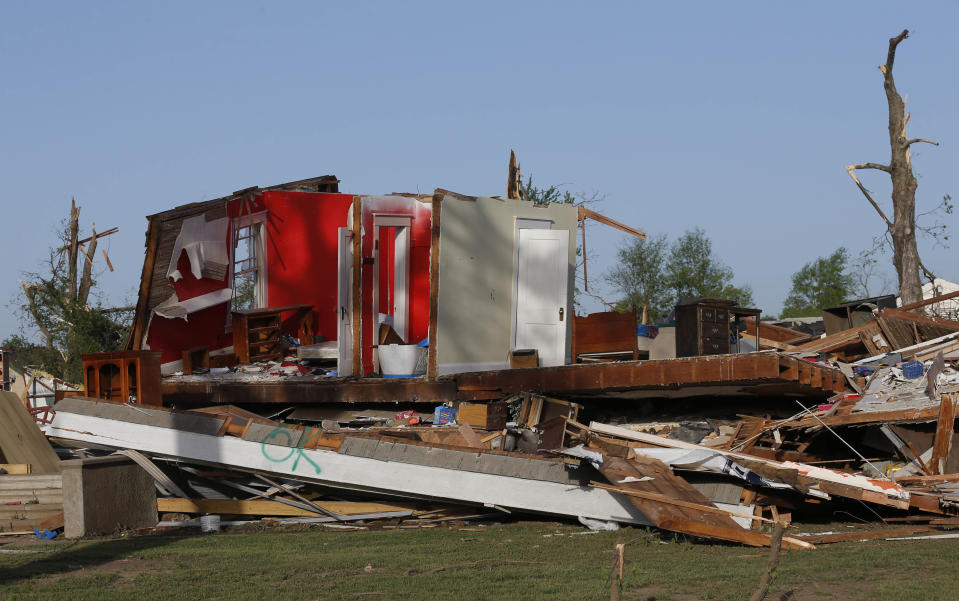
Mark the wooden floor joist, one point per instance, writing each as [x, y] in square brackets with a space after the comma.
[271, 508]
[749, 373]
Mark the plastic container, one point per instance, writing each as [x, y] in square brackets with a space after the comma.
[209, 523]
[402, 360]
[912, 370]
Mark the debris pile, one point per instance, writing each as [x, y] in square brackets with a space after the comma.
[717, 425]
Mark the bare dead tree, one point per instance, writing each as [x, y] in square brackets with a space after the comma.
[902, 227]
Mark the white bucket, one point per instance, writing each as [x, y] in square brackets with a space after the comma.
[402, 359]
[209, 523]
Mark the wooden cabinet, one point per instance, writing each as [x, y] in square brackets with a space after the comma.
[705, 326]
[702, 327]
[124, 376]
[258, 334]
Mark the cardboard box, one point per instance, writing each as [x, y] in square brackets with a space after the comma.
[521, 358]
[444, 415]
[489, 416]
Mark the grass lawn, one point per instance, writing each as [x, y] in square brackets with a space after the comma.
[502, 562]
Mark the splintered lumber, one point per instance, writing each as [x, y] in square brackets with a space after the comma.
[694, 515]
[929, 479]
[835, 341]
[471, 438]
[920, 319]
[822, 480]
[746, 537]
[943, 440]
[843, 537]
[929, 301]
[265, 507]
[21, 440]
[15, 468]
[782, 346]
[770, 334]
[679, 503]
[648, 475]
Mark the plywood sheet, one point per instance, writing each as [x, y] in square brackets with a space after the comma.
[21, 440]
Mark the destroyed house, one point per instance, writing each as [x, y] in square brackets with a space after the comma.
[470, 279]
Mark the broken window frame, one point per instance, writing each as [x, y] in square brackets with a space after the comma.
[256, 223]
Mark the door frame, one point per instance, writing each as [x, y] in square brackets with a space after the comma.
[563, 322]
[402, 247]
[344, 301]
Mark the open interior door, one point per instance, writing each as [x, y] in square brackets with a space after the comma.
[541, 280]
[344, 302]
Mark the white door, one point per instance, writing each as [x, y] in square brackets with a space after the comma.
[344, 302]
[541, 280]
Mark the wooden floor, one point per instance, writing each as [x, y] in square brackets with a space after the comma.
[752, 374]
[766, 374]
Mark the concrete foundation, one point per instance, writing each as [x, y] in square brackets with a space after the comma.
[102, 495]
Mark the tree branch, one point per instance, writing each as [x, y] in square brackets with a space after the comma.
[851, 171]
[891, 56]
[35, 311]
[929, 274]
[86, 280]
[118, 309]
[885, 168]
[914, 140]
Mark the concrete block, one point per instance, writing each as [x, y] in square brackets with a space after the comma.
[102, 495]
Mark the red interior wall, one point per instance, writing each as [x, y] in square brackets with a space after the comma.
[301, 253]
[301, 269]
[387, 252]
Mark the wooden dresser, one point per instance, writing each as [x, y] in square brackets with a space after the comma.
[705, 326]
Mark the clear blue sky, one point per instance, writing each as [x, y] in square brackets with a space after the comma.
[735, 117]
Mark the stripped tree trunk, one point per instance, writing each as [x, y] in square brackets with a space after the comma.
[902, 227]
[86, 280]
[72, 241]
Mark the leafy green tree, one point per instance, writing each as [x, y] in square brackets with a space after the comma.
[819, 284]
[692, 270]
[56, 304]
[545, 196]
[638, 276]
[656, 274]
